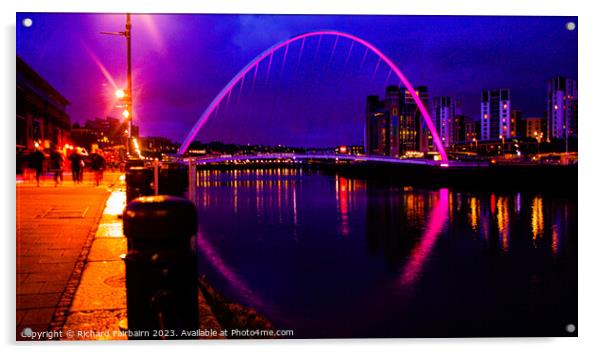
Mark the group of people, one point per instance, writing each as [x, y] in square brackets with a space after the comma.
[56, 163]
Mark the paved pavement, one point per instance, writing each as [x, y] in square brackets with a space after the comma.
[99, 308]
[70, 272]
[55, 228]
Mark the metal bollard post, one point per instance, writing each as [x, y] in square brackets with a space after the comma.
[156, 177]
[133, 163]
[192, 180]
[173, 179]
[138, 182]
[161, 267]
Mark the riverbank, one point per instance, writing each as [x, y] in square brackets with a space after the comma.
[559, 179]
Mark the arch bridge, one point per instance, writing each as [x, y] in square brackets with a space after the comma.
[268, 53]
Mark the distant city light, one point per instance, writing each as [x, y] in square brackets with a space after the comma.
[126, 114]
[120, 93]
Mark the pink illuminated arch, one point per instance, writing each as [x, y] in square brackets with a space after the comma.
[241, 74]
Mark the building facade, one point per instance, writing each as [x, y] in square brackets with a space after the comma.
[472, 129]
[516, 118]
[495, 114]
[42, 120]
[562, 108]
[394, 125]
[445, 110]
[461, 129]
[535, 127]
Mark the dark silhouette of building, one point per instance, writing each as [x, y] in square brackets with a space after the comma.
[472, 129]
[516, 118]
[394, 125]
[42, 119]
[156, 145]
[534, 127]
[101, 132]
[459, 129]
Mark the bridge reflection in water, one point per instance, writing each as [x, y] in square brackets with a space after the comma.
[331, 255]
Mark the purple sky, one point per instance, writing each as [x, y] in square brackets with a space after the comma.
[316, 97]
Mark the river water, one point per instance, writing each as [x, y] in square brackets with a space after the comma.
[332, 256]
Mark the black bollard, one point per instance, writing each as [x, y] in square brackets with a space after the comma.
[161, 267]
[129, 163]
[138, 182]
[173, 179]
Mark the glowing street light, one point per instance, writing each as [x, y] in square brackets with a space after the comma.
[127, 93]
[538, 137]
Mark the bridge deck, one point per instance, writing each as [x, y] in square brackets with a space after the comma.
[338, 157]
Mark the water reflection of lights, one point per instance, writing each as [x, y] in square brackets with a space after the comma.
[274, 191]
[555, 239]
[474, 213]
[216, 261]
[342, 187]
[414, 207]
[537, 223]
[295, 222]
[436, 221]
[503, 222]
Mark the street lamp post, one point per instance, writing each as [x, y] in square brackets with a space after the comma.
[538, 136]
[127, 95]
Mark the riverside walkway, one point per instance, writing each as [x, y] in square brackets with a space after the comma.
[70, 272]
[55, 229]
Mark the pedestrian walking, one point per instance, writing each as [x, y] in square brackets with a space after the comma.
[36, 161]
[98, 164]
[77, 162]
[56, 165]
